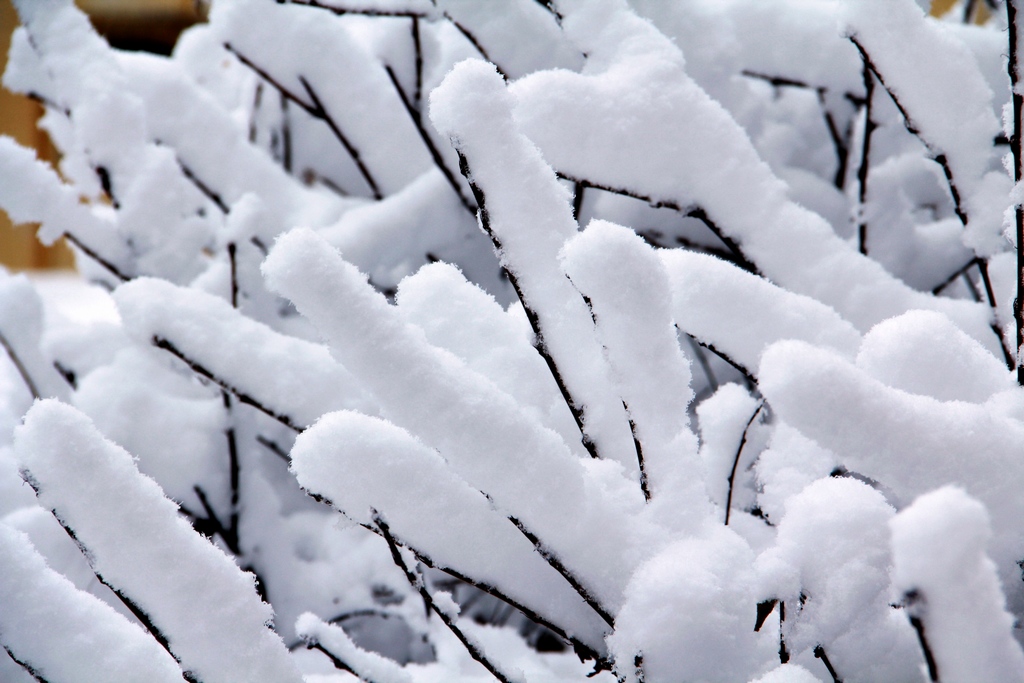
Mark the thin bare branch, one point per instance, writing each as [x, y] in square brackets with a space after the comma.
[819, 652]
[33, 388]
[556, 564]
[315, 108]
[200, 370]
[435, 154]
[736, 461]
[575, 407]
[863, 168]
[1013, 68]
[91, 253]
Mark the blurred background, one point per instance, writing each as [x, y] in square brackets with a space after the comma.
[151, 25]
[154, 25]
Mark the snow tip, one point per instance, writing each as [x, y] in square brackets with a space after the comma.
[48, 428]
[947, 518]
[307, 627]
[292, 255]
[471, 96]
[49, 409]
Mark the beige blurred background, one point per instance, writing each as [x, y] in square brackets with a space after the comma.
[151, 25]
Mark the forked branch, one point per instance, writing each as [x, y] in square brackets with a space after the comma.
[315, 108]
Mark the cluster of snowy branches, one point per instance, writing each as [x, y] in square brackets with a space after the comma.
[468, 340]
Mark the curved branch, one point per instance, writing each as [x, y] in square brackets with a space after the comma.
[937, 155]
[22, 370]
[435, 154]
[736, 461]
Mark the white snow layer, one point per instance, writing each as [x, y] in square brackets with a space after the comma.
[136, 542]
[683, 148]
[530, 217]
[579, 509]
[66, 635]
[366, 466]
[949, 583]
[298, 380]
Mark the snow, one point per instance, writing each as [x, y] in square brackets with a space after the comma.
[902, 353]
[307, 337]
[833, 550]
[950, 584]
[366, 466]
[529, 221]
[828, 399]
[924, 65]
[696, 624]
[41, 607]
[459, 317]
[627, 288]
[476, 427]
[300, 383]
[368, 665]
[135, 540]
[712, 298]
[635, 74]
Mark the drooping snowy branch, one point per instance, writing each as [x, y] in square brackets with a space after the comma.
[121, 520]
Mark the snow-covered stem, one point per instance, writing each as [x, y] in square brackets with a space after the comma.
[735, 252]
[242, 396]
[418, 583]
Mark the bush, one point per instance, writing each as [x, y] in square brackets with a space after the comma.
[394, 388]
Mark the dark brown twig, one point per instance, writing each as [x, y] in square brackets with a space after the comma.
[555, 563]
[417, 93]
[1013, 67]
[91, 253]
[937, 289]
[929, 658]
[839, 142]
[29, 669]
[203, 187]
[638, 446]
[360, 11]
[863, 167]
[748, 376]
[937, 155]
[736, 461]
[819, 652]
[22, 370]
[273, 447]
[435, 154]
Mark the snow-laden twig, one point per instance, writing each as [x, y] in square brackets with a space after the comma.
[418, 583]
